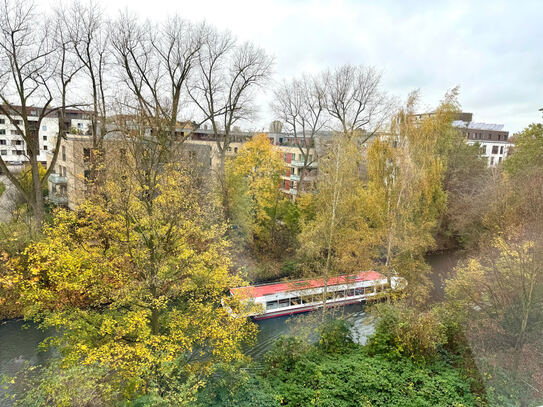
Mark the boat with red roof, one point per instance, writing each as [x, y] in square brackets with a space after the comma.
[292, 297]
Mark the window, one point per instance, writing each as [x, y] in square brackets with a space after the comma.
[2, 131]
[44, 148]
[501, 150]
[86, 154]
[3, 152]
[18, 142]
[489, 136]
[63, 153]
[295, 301]
[494, 149]
[79, 125]
[272, 305]
[44, 138]
[44, 127]
[19, 152]
[284, 303]
[86, 174]
[2, 121]
[235, 149]
[3, 142]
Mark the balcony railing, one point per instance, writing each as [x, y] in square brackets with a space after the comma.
[297, 163]
[58, 199]
[57, 179]
[294, 177]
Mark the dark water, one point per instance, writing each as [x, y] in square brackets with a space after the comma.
[301, 324]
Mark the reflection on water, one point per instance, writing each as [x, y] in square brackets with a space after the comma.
[19, 347]
[271, 329]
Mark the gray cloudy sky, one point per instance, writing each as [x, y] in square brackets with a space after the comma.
[492, 49]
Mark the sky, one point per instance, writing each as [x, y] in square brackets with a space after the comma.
[493, 50]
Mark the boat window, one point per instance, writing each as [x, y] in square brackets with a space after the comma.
[351, 292]
[368, 290]
[330, 295]
[340, 294]
[295, 301]
[284, 303]
[360, 291]
[272, 305]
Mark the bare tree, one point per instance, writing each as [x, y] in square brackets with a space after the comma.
[355, 100]
[229, 73]
[156, 61]
[300, 105]
[34, 72]
[85, 26]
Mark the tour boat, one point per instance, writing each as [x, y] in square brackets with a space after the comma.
[286, 298]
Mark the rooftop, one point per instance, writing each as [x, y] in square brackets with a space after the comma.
[478, 126]
[275, 288]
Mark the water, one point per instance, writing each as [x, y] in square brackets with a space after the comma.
[269, 330]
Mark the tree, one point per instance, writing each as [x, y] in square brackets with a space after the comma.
[254, 176]
[300, 104]
[334, 240]
[355, 100]
[404, 193]
[528, 151]
[134, 279]
[86, 29]
[156, 62]
[497, 296]
[223, 91]
[34, 74]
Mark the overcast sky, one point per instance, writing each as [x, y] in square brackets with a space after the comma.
[492, 49]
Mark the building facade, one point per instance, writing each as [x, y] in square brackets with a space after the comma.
[13, 148]
[492, 139]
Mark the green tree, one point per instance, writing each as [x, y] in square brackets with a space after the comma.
[528, 151]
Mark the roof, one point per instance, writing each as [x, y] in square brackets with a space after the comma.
[274, 288]
[477, 126]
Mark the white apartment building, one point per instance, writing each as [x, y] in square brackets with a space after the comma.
[13, 149]
[492, 139]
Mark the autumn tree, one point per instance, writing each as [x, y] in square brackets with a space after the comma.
[254, 177]
[135, 277]
[334, 240]
[497, 296]
[405, 193]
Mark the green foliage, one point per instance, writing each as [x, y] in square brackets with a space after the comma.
[336, 337]
[236, 387]
[528, 151]
[56, 385]
[406, 331]
[2, 188]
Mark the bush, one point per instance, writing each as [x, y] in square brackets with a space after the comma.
[406, 331]
[336, 337]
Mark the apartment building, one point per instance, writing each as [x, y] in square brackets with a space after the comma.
[13, 149]
[492, 139]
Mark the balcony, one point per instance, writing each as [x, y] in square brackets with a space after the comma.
[57, 179]
[58, 199]
[291, 191]
[296, 163]
[294, 177]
